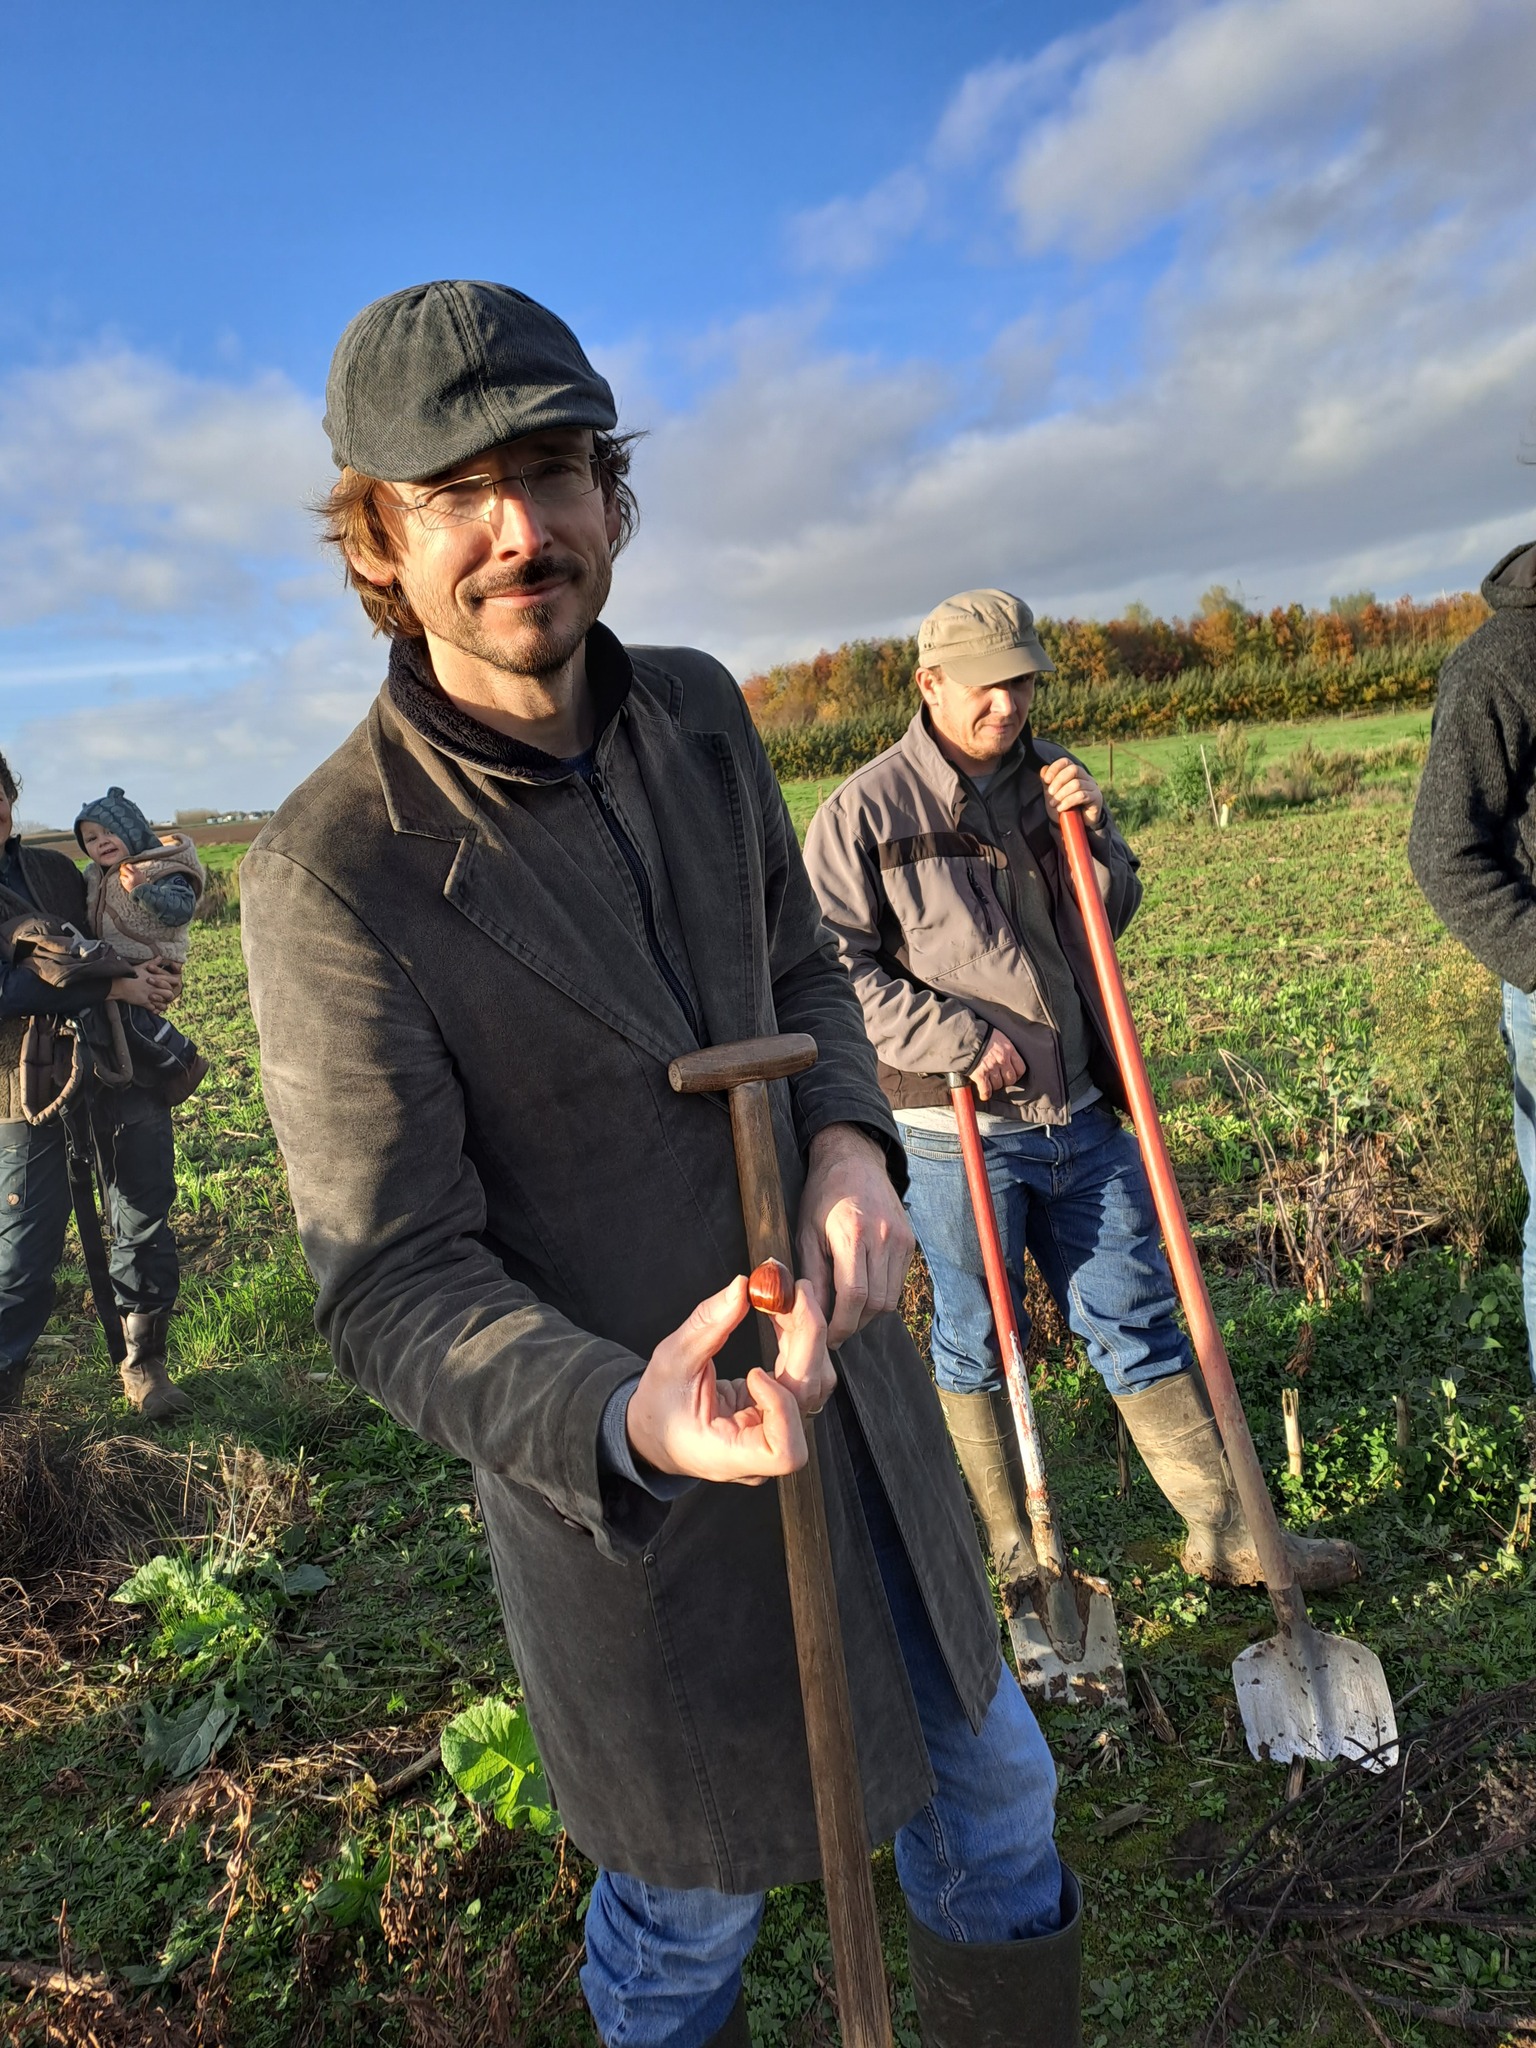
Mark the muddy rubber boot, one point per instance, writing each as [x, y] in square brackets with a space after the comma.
[1172, 1426]
[987, 1445]
[1002, 1994]
[735, 2033]
[146, 1382]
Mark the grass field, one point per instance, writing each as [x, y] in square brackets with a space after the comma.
[320, 1880]
[1135, 759]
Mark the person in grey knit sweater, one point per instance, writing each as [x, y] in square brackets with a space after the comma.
[1472, 846]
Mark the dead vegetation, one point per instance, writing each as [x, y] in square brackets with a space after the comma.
[1445, 1838]
[78, 1510]
[446, 2002]
[1335, 1197]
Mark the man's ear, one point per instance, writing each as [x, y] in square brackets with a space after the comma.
[613, 525]
[372, 569]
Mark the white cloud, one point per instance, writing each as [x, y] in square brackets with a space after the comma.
[1137, 138]
[126, 484]
[1322, 385]
[246, 743]
[849, 235]
[976, 108]
[1327, 382]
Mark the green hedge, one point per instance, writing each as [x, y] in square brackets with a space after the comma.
[1193, 701]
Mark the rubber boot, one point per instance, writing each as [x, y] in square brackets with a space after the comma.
[987, 1445]
[146, 1382]
[1002, 1994]
[735, 2033]
[1172, 1426]
[12, 1380]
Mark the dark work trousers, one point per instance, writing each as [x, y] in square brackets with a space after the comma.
[137, 1152]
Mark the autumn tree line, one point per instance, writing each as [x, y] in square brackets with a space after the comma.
[1136, 674]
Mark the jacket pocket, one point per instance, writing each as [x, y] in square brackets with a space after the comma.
[945, 904]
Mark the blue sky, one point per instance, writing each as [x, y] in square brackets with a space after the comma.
[1098, 302]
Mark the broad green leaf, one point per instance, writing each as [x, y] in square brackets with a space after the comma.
[490, 1754]
[159, 1580]
[305, 1578]
[180, 1744]
[353, 1893]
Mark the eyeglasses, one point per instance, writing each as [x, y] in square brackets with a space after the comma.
[557, 480]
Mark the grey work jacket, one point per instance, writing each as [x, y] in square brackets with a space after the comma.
[912, 898]
[505, 1206]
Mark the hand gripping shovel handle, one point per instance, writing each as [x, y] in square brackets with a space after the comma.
[1279, 1575]
[743, 1071]
[1048, 1551]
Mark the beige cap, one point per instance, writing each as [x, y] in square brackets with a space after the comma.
[982, 637]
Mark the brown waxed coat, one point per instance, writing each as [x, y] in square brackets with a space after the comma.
[464, 1050]
[56, 887]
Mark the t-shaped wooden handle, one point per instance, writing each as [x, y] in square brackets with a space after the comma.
[749, 1059]
[744, 1070]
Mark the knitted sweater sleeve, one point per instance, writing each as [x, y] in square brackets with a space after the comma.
[1477, 784]
[170, 899]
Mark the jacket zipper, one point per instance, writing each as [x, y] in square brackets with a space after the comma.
[1018, 938]
[631, 857]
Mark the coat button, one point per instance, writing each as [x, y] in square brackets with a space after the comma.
[649, 1557]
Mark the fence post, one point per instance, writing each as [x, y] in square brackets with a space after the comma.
[1290, 1408]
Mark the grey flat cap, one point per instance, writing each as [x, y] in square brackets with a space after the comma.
[440, 372]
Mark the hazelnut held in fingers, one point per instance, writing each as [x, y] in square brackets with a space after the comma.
[771, 1288]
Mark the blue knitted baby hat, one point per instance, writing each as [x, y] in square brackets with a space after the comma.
[121, 816]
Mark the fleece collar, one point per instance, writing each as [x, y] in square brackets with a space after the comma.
[418, 697]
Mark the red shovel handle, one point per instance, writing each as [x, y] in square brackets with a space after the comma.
[1049, 1553]
[1279, 1575]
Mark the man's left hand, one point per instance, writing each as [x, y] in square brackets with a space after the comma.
[854, 1240]
[1069, 787]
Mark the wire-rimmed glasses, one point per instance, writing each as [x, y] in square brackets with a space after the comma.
[553, 480]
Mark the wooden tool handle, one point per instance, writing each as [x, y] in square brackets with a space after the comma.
[863, 2008]
[719, 1067]
[1279, 1574]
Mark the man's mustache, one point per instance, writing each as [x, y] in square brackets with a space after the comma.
[547, 569]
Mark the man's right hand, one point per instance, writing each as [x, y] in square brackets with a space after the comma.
[1000, 1065]
[689, 1424]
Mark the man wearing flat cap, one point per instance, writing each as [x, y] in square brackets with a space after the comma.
[544, 867]
[940, 870]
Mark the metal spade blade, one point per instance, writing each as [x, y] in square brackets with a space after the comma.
[1305, 1694]
[1095, 1677]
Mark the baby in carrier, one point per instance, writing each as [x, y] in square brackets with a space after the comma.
[141, 891]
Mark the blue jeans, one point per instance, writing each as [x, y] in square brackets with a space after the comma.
[133, 1137]
[977, 1862]
[1076, 1196]
[1519, 1028]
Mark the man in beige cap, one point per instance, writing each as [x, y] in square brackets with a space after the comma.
[941, 874]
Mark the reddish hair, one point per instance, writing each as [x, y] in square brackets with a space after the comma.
[352, 520]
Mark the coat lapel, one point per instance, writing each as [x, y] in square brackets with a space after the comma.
[514, 881]
[519, 885]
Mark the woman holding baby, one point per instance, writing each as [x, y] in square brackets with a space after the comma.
[137, 897]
